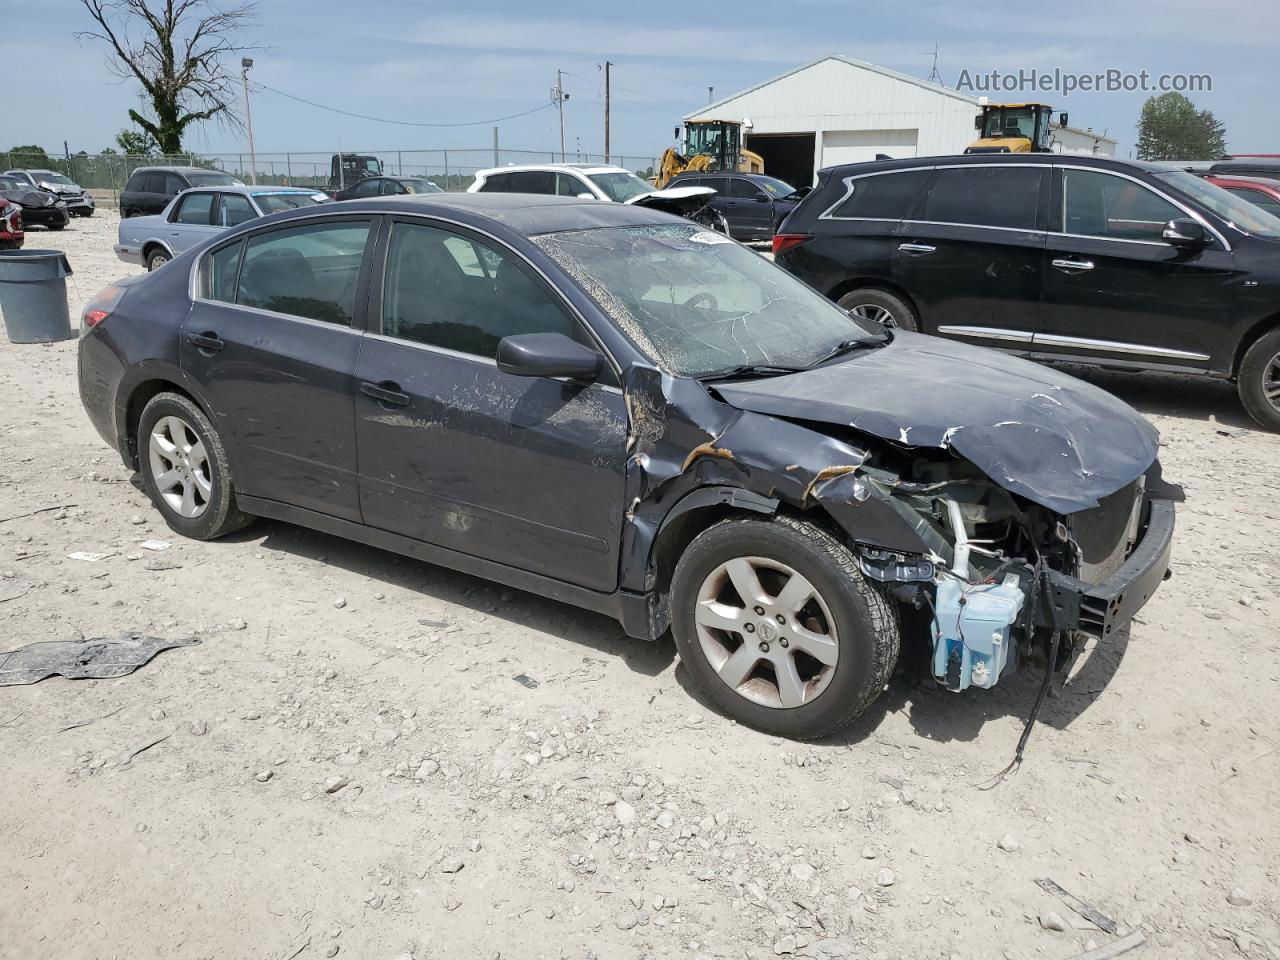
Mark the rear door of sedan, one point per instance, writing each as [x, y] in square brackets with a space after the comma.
[524, 471]
[272, 340]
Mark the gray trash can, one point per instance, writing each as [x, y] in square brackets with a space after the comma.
[33, 295]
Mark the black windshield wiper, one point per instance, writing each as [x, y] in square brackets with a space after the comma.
[848, 346]
[747, 370]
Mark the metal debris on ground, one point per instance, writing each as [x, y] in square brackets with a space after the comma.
[155, 544]
[94, 659]
[1123, 945]
[525, 680]
[1086, 910]
[88, 556]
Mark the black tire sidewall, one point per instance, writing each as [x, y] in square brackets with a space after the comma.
[1253, 370]
[850, 689]
[221, 501]
[903, 315]
[152, 257]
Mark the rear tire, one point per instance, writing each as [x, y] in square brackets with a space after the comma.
[846, 620]
[1258, 382]
[179, 450]
[880, 306]
[129, 213]
[56, 226]
[156, 259]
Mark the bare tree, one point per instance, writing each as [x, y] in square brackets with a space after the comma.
[176, 50]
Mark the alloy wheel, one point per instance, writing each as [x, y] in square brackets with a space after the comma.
[767, 632]
[1271, 381]
[875, 313]
[157, 261]
[180, 467]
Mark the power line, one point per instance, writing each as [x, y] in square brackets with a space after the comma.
[401, 123]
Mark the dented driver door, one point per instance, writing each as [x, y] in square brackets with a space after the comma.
[525, 471]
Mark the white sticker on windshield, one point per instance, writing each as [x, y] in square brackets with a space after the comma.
[707, 236]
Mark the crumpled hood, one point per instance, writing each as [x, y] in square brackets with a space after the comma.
[677, 200]
[30, 197]
[1047, 436]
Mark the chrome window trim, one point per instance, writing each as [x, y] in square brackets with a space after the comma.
[193, 275]
[1193, 214]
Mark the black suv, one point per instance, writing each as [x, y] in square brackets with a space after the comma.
[1086, 259]
[150, 189]
[752, 204]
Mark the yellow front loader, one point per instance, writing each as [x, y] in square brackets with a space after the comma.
[1015, 128]
[710, 145]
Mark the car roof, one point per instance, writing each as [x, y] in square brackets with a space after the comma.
[536, 167]
[527, 214]
[165, 169]
[967, 159]
[249, 190]
[1269, 183]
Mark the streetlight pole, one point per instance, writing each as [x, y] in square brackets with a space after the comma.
[560, 97]
[245, 64]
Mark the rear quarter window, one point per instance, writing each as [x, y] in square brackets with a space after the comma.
[883, 196]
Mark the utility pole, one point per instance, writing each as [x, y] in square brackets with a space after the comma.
[607, 65]
[711, 94]
[558, 96]
[245, 64]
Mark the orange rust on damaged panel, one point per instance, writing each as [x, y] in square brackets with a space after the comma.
[825, 474]
[706, 450]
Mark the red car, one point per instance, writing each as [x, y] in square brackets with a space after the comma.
[1260, 191]
[11, 235]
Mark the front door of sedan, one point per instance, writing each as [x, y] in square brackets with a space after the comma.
[192, 220]
[969, 254]
[272, 340]
[749, 210]
[525, 471]
[1115, 290]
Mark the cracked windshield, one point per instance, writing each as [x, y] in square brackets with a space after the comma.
[700, 304]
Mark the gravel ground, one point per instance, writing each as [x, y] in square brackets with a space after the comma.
[349, 768]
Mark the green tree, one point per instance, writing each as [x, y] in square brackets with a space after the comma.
[1171, 128]
[136, 143]
[176, 49]
[29, 156]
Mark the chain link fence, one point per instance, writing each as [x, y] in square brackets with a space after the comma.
[452, 170]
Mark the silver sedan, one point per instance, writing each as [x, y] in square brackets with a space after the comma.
[194, 216]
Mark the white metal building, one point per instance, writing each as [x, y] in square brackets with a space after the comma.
[839, 110]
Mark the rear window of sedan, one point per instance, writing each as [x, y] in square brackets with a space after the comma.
[275, 202]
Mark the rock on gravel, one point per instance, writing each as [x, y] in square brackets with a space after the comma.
[1053, 921]
[1009, 843]
[1239, 897]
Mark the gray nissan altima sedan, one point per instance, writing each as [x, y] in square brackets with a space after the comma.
[620, 409]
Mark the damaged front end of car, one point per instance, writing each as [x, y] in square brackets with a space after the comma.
[1002, 562]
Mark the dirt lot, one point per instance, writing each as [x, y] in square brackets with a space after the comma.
[350, 768]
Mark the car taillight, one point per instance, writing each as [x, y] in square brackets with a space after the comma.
[786, 241]
[99, 308]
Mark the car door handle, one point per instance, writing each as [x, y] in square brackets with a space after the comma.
[921, 248]
[1073, 266]
[385, 392]
[207, 342]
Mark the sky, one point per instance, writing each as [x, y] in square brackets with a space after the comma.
[471, 62]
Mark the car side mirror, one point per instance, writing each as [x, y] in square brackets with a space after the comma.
[1184, 232]
[977, 122]
[547, 355]
[1062, 119]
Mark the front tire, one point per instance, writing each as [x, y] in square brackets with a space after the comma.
[185, 470]
[880, 306]
[778, 627]
[1259, 380]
